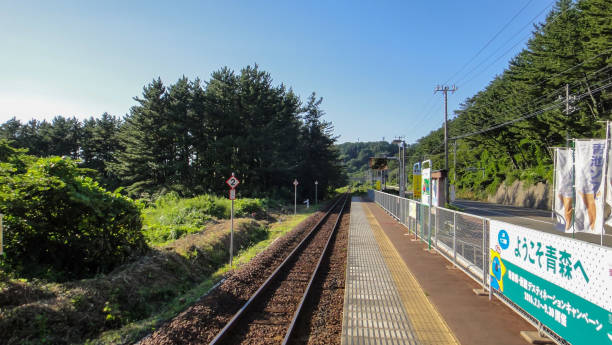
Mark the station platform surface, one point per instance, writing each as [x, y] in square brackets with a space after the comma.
[398, 293]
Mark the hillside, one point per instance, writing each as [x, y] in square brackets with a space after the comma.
[509, 127]
[355, 156]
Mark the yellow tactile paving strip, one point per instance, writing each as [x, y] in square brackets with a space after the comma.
[429, 327]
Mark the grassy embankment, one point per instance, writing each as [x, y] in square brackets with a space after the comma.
[189, 253]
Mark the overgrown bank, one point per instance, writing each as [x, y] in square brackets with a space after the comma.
[131, 301]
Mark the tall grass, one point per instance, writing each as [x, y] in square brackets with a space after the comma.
[172, 217]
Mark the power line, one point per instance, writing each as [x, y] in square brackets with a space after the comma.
[490, 40]
[511, 48]
[538, 101]
[554, 105]
[557, 74]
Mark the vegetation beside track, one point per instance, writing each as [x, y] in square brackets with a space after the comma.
[127, 303]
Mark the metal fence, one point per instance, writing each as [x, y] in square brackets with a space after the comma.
[461, 237]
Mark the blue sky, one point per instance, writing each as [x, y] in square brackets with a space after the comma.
[375, 63]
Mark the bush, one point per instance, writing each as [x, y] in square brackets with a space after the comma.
[60, 221]
[172, 217]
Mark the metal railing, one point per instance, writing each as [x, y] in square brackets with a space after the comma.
[459, 236]
[462, 238]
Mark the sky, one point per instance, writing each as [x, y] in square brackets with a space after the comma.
[376, 63]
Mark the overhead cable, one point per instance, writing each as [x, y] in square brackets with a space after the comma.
[490, 41]
[550, 107]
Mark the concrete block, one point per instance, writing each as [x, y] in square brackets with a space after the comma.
[481, 292]
[534, 337]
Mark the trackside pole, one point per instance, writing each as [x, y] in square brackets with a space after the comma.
[232, 182]
[232, 235]
[295, 184]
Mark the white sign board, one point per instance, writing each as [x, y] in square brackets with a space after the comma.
[564, 283]
[232, 194]
[412, 206]
[425, 185]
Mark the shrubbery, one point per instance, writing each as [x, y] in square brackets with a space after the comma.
[58, 219]
[171, 217]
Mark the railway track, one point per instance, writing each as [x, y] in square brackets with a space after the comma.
[271, 313]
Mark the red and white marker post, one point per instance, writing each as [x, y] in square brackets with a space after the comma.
[232, 182]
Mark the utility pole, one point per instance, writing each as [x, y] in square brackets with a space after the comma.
[455, 163]
[445, 89]
[402, 166]
[569, 108]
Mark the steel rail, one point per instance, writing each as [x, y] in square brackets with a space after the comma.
[298, 311]
[242, 311]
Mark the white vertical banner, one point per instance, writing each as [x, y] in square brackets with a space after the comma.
[425, 185]
[608, 203]
[434, 192]
[564, 189]
[589, 172]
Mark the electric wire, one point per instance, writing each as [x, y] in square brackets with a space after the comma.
[529, 87]
[522, 40]
[490, 41]
[550, 107]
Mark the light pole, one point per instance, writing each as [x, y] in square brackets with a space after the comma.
[445, 89]
[402, 165]
[316, 196]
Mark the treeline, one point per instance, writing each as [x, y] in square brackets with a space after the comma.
[572, 47]
[190, 136]
[355, 156]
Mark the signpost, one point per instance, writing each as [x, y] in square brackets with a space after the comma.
[295, 183]
[416, 181]
[316, 196]
[426, 195]
[232, 182]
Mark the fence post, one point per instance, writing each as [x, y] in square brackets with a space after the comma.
[420, 222]
[484, 267]
[455, 238]
[437, 219]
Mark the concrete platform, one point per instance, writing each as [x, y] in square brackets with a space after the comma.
[472, 319]
[383, 302]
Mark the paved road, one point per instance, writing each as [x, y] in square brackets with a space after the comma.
[528, 217]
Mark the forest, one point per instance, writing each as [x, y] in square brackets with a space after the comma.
[112, 225]
[73, 190]
[188, 137]
[510, 127]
